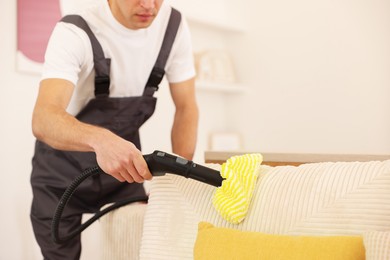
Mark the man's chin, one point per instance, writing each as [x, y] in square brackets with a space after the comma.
[143, 25]
[145, 20]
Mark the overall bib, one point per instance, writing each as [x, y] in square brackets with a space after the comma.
[53, 170]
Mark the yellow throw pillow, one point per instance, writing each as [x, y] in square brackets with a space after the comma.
[223, 243]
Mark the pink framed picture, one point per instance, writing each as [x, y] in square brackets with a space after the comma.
[35, 22]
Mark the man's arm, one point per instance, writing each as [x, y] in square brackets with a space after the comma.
[54, 126]
[185, 125]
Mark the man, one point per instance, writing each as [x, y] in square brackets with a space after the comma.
[96, 91]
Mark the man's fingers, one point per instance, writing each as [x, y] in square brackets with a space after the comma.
[127, 176]
[142, 168]
[119, 177]
[132, 171]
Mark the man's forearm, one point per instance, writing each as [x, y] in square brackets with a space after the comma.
[62, 131]
[54, 126]
[184, 132]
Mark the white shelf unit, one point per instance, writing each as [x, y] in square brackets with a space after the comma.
[215, 30]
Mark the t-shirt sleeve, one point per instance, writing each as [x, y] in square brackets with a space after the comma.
[65, 53]
[180, 65]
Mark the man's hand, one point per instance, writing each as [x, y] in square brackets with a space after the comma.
[121, 159]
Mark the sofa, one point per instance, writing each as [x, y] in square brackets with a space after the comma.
[316, 210]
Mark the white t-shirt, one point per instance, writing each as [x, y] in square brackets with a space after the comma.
[133, 54]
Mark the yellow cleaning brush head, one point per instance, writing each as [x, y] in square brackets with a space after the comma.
[232, 199]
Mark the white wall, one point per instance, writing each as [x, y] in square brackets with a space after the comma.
[317, 75]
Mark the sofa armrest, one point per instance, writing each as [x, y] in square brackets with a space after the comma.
[121, 232]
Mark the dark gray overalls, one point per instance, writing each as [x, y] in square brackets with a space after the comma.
[53, 170]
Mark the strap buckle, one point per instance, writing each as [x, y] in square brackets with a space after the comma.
[155, 78]
[102, 85]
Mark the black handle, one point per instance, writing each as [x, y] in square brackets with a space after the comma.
[160, 163]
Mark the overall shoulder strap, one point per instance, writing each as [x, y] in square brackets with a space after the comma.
[158, 70]
[101, 64]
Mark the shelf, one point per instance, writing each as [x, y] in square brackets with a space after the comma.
[229, 88]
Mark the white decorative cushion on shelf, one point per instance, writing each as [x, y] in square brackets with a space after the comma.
[377, 244]
[343, 198]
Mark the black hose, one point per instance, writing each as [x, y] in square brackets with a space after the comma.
[66, 197]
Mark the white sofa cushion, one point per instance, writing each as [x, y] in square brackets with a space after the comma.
[377, 244]
[343, 198]
[122, 232]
